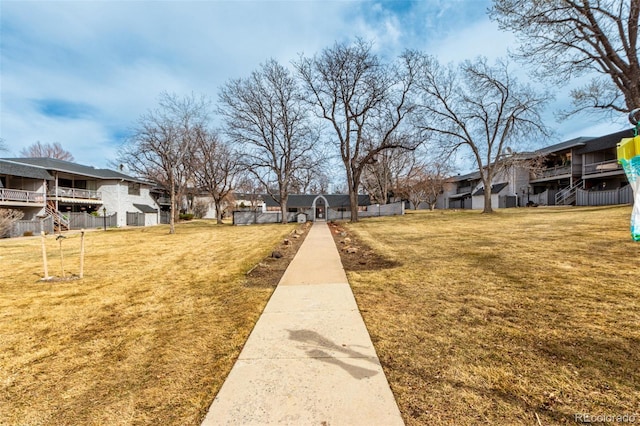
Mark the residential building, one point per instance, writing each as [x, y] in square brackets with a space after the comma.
[43, 187]
[580, 171]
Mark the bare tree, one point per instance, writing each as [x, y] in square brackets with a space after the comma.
[267, 115]
[249, 188]
[160, 148]
[311, 180]
[46, 150]
[480, 107]
[215, 168]
[424, 183]
[364, 102]
[569, 38]
[7, 218]
[382, 177]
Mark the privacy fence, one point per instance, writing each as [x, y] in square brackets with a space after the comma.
[622, 195]
[76, 221]
[33, 227]
[86, 221]
[546, 198]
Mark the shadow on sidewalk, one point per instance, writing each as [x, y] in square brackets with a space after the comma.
[313, 338]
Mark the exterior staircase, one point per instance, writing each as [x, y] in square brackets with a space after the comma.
[567, 196]
[60, 223]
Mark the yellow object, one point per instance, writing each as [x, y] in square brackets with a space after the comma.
[628, 148]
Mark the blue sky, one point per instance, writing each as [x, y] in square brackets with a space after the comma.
[82, 72]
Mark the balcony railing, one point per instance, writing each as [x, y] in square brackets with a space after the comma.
[601, 167]
[553, 172]
[463, 190]
[75, 193]
[21, 196]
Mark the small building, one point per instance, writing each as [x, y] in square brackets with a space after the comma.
[320, 206]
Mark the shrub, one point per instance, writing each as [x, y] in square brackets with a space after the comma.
[186, 216]
[27, 234]
[200, 208]
[7, 218]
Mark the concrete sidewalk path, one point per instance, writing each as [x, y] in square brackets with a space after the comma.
[309, 360]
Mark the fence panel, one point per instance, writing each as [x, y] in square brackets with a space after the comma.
[243, 217]
[135, 219]
[626, 195]
[34, 226]
[165, 217]
[374, 210]
[83, 220]
[604, 198]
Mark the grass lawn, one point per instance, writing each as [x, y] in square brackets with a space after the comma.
[527, 316]
[147, 337]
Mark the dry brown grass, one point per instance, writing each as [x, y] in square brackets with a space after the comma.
[147, 337]
[505, 318]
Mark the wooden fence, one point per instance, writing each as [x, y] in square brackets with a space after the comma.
[165, 217]
[34, 227]
[135, 219]
[84, 220]
[622, 195]
[546, 198]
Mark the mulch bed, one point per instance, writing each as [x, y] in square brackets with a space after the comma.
[268, 272]
[355, 254]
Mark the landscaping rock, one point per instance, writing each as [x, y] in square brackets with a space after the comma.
[276, 254]
[351, 250]
[287, 241]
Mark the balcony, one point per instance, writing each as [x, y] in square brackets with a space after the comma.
[463, 189]
[20, 197]
[602, 168]
[552, 172]
[85, 194]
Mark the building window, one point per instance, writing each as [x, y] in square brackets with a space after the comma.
[134, 188]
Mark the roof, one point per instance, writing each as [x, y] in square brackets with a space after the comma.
[144, 208]
[605, 142]
[468, 176]
[495, 189]
[53, 164]
[306, 200]
[562, 146]
[8, 167]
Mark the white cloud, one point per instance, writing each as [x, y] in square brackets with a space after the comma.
[482, 38]
[117, 56]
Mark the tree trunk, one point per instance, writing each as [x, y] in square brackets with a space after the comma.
[353, 180]
[487, 199]
[283, 208]
[218, 205]
[172, 191]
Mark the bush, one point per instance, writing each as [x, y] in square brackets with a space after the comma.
[7, 218]
[186, 216]
[200, 208]
[27, 234]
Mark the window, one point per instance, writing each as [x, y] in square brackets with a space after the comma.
[134, 188]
